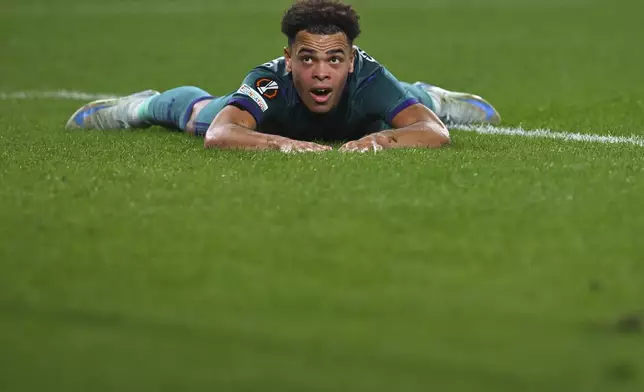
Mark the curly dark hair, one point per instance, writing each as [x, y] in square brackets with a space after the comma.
[321, 17]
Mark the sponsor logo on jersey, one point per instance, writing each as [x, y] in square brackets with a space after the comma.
[267, 87]
[252, 94]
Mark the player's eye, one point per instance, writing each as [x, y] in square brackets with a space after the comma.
[335, 60]
[307, 60]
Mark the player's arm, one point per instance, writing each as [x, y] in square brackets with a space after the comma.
[234, 128]
[417, 126]
[414, 127]
[411, 123]
[237, 125]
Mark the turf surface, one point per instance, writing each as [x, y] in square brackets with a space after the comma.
[140, 261]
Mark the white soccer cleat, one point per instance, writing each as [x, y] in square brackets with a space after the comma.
[456, 108]
[113, 113]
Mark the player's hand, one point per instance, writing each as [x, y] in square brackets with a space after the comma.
[294, 146]
[369, 143]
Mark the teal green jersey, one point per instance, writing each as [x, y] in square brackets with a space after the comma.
[372, 97]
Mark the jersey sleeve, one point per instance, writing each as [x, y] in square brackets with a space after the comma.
[261, 94]
[381, 95]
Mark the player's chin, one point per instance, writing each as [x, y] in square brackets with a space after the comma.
[319, 108]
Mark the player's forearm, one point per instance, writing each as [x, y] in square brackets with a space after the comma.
[419, 135]
[232, 136]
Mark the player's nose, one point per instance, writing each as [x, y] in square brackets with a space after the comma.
[321, 71]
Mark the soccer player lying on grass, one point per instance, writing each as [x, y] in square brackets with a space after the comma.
[324, 89]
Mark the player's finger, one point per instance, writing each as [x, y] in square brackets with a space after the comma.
[376, 147]
[326, 148]
[321, 147]
[347, 147]
[355, 148]
[314, 147]
[310, 147]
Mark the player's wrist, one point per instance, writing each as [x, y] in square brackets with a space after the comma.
[278, 143]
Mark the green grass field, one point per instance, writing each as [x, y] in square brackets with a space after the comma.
[138, 261]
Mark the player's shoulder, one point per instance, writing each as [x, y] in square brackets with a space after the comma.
[365, 68]
[276, 66]
[270, 79]
[271, 71]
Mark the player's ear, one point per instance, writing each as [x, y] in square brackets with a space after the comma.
[352, 59]
[287, 58]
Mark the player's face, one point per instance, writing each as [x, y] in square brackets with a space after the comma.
[320, 66]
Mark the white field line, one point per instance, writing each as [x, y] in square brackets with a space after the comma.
[549, 134]
[480, 129]
[58, 94]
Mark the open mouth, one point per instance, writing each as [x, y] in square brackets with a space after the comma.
[321, 95]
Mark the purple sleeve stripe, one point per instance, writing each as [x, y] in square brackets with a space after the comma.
[404, 105]
[250, 107]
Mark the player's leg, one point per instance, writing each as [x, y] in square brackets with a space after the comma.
[453, 108]
[171, 109]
